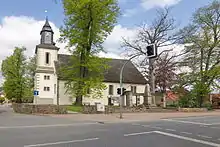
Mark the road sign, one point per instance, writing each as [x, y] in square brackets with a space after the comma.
[36, 92]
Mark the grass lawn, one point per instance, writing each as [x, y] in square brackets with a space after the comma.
[74, 108]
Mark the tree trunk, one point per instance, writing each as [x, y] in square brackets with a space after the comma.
[82, 75]
[78, 101]
[152, 80]
[146, 95]
[145, 101]
[201, 98]
[164, 100]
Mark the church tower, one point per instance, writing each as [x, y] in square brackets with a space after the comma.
[45, 77]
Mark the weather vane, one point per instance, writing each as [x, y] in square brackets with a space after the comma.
[46, 13]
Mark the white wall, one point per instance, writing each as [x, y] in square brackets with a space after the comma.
[51, 95]
[66, 99]
[41, 83]
[140, 89]
[41, 59]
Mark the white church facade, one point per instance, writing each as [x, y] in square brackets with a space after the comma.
[50, 88]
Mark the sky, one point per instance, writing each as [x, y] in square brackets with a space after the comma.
[21, 22]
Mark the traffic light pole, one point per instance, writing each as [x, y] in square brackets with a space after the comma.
[121, 83]
[152, 79]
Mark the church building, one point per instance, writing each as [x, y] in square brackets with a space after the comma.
[50, 88]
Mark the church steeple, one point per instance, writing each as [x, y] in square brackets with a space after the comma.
[46, 33]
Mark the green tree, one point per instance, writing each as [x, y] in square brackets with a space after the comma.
[202, 39]
[87, 24]
[13, 69]
[30, 67]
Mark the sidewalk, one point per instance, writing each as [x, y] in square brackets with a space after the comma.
[132, 117]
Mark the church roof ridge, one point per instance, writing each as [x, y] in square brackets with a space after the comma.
[63, 54]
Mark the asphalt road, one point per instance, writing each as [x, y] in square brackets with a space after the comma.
[40, 131]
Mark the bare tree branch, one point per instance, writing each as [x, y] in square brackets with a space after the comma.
[160, 32]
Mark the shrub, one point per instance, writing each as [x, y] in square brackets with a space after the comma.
[2, 100]
[174, 105]
[27, 100]
[207, 105]
[188, 101]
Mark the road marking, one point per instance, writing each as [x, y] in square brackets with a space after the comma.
[156, 127]
[187, 122]
[214, 124]
[203, 136]
[215, 127]
[145, 125]
[170, 130]
[204, 126]
[135, 124]
[186, 133]
[189, 139]
[44, 126]
[197, 117]
[61, 142]
[139, 133]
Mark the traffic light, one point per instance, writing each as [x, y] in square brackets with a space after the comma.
[121, 91]
[118, 90]
[151, 51]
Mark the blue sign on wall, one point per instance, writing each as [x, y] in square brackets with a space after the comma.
[36, 92]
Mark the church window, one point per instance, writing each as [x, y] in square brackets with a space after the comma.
[46, 77]
[47, 58]
[110, 92]
[133, 89]
[46, 88]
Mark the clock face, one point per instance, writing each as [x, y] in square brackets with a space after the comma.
[47, 37]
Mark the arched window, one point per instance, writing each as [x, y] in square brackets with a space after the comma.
[47, 58]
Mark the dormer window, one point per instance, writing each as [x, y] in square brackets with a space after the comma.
[47, 56]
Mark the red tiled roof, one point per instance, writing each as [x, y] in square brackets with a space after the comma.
[171, 95]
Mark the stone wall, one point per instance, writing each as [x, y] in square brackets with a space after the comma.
[116, 109]
[38, 109]
[192, 109]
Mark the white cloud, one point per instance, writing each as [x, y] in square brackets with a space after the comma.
[130, 12]
[113, 42]
[148, 4]
[110, 55]
[21, 31]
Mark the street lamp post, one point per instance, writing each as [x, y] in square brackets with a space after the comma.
[121, 83]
